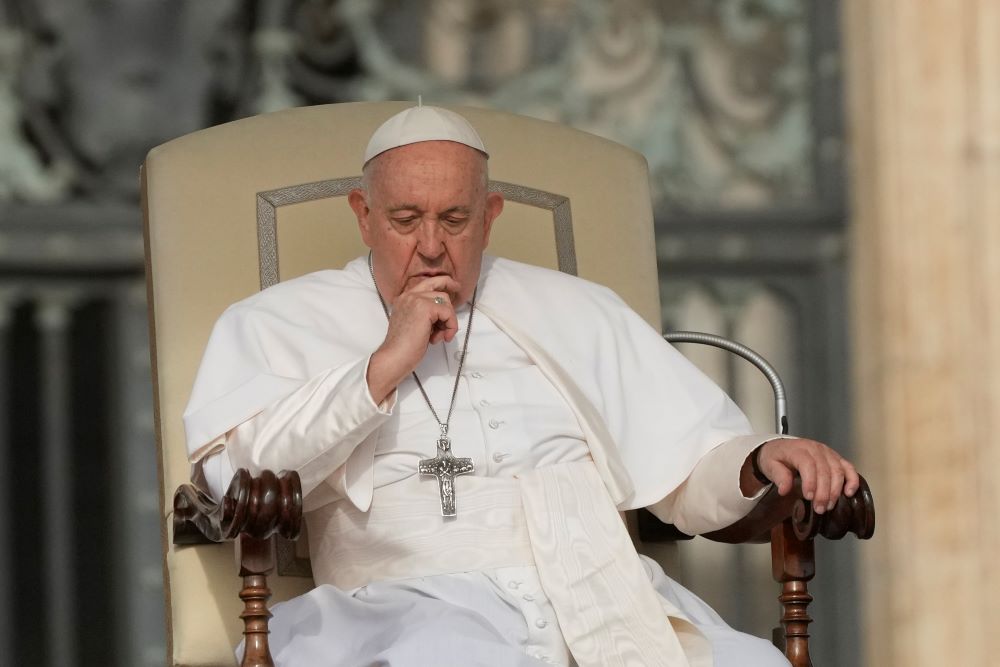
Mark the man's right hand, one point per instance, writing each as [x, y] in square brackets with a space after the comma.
[415, 322]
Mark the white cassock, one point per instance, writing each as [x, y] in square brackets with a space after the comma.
[572, 408]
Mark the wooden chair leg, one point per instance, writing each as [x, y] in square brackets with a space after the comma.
[793, 565]
[256, 558]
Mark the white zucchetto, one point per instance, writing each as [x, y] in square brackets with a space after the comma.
[423, 123]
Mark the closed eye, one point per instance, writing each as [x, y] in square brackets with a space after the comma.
[404, 215]
[454, 225]
[455, 218]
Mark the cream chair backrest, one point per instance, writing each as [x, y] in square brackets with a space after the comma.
[239, 206]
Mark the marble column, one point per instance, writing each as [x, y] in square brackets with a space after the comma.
[923, 85]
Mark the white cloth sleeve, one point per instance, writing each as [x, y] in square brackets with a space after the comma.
[313, 431]
[710, 498]
[214, 472]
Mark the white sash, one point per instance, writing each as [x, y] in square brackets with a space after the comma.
[558, 518]
[403, 534]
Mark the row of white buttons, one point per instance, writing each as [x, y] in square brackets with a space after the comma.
[531, 611]
[494, 424]
[540, 623]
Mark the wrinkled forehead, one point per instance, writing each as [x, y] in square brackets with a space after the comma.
[441, 165]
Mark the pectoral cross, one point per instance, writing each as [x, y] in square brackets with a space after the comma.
[446, 467]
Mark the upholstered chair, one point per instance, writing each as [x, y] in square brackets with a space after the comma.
[235, 208]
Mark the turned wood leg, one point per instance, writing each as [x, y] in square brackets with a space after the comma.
[793, 565]
[795, 599]
[256, 559]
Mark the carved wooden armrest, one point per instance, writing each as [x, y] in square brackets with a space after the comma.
[850, 515]
[252, 512]
[258, 507]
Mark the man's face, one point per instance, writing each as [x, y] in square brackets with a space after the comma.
[427, 212]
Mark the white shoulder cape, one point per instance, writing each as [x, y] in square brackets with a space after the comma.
[648, 414]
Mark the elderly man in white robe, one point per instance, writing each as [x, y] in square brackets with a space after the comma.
[467, 429]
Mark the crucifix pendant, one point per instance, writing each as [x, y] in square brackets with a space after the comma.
[446, 467]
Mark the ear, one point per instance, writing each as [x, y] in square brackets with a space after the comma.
[359, 204]
[494, 206]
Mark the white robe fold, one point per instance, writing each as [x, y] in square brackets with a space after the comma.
[647, 413]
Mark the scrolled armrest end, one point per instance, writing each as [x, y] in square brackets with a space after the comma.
[255, 506]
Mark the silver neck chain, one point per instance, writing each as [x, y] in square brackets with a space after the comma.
[461, 358]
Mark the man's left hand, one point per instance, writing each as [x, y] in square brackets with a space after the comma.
[825, 474]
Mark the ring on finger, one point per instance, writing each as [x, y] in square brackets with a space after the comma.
[439, 300]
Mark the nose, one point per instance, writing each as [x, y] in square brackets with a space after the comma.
[429, 241]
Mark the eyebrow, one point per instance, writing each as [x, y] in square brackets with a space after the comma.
[404, 207]
[464, 210]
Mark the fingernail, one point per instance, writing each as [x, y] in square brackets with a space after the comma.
[829, 508]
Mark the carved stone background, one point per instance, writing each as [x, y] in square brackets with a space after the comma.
[718, 95]
[735, 104]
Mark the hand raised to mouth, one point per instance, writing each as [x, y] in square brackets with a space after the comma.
[421, 315]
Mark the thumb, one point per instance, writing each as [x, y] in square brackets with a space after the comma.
[781, 475]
